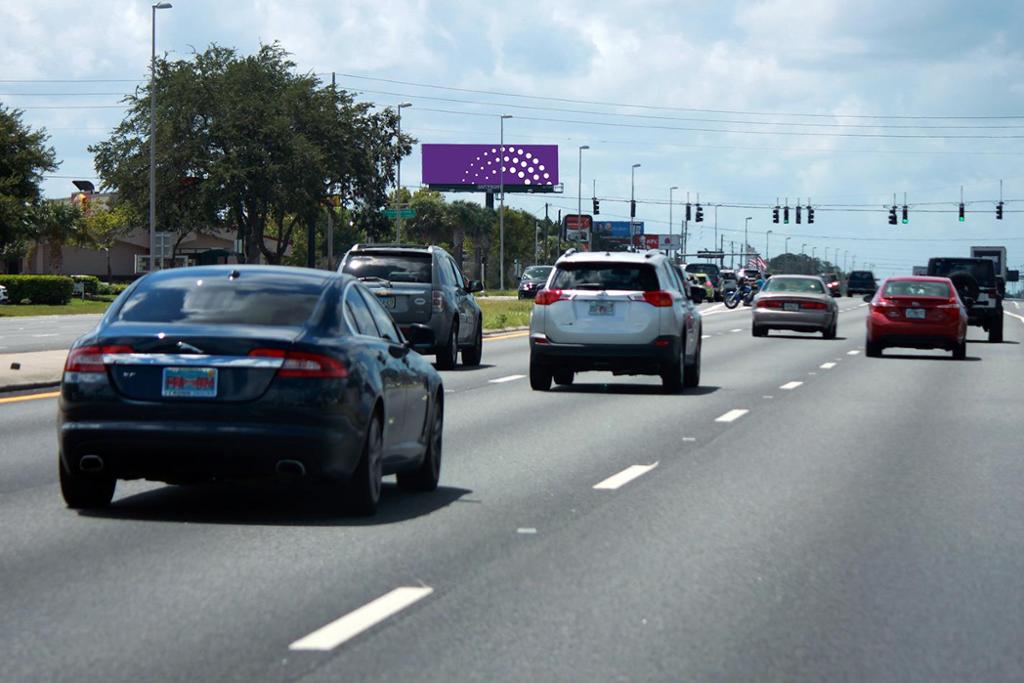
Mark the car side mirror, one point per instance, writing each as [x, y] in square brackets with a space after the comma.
[475, 286]
[420, 338]
[1013, 276]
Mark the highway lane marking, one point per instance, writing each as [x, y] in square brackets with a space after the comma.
[732, 415]
[514, 335]
[789, 386]
[509, 378]
[827, 366]
[736, 330]
[624, 477]
[526, 530]
[352, 624]
[705, 336]
[767, 396]
[40, 336]
[852, 353]
[1018, 317]
[30, 397]
[689, 439]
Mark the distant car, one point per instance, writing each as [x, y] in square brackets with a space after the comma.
[236, 372]
[917, 312]
[832, 282]
[799, 303]
[532, 280]
[861, 282]
[704, 281]
[712, 271]
[423, 285]
[626, 313]
[3, 294]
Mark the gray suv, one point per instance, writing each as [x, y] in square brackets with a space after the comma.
[418, 284]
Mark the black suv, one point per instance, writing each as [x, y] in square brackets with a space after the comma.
[423, 285]
[861, 282]
[976, 283]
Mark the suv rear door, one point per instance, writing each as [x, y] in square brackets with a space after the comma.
[401, 279]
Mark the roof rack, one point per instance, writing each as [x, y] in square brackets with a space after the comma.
[569, 252]
[393, 245]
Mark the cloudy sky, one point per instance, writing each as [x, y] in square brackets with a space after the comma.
[844, 103]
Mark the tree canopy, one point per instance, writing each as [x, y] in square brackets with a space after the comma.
[24, 158]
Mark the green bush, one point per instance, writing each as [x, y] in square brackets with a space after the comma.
[91, 282]
[51, 290]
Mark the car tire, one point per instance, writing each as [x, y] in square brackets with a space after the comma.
[564, 378]
[691, 373]
[365, 485]
[758, 331]
[872, 349]
[83, 492]
[960, 351]
[831, 331]
[428, 474]
[448, 355]
[471, 356]
[672, 375]
[540, 376]
[995, 330]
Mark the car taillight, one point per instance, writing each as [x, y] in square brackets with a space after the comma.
[769, 303]
[304, 365]
[658, 298]
[437, 300]
[90, 358]
[814, 305]
[546, 297]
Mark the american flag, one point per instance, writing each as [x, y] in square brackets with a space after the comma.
[755, 261]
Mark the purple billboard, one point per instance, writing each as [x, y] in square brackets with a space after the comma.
[521, 168]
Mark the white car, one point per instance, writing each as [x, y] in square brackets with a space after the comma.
[3, 294]
[626, 313]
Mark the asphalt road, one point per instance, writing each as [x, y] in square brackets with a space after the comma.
[864, 523]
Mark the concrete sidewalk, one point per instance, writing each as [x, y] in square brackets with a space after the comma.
[31, 370]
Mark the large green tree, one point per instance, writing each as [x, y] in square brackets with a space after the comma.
[24, 158]
[57, 223]
[249, 143]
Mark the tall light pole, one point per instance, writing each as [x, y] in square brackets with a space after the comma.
[579, 200]
[766, 236]
[813, 250]
[845, 252]
[398, 174]
[674, 187]
[152, 140]
[786, 249]
[501, 209]
[632, 194]
[746, 242]
[803, 249]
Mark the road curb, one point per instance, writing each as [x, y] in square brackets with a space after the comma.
[28, 386]
[504, 330]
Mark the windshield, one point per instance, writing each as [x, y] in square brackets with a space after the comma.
[392, 267]
[802, 285]
[706, 268]
[982, 270]
[600, 276]
[914, 288]
[537, 273]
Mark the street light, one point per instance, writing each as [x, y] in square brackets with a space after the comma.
[501, 210]
[152, 139]
[766, 236]
[787, 245]
[398, 178]
[579, 200]
[813, 250]
[803, 249]
[845, 252]
[674, 187]
[632, 193]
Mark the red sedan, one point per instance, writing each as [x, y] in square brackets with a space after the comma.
[918, 313]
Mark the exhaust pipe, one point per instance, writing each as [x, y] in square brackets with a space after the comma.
[290, 468]
[91, 463]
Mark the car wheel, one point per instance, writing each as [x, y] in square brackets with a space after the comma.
[831, 330]
[691, 373]
[448, 355]
[426, 476]
[365, 485]
[672, 375]
[759, 331]
[540, 376]
[473, 354]
[995, 330]
[873, 349]
[960, 351]
[85, 492]
[564, 377]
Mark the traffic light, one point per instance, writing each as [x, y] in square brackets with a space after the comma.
[775, 214]
[810, 214]
[632, 208]
[687, 210]
[597, 206]
[999, 211]
[961, 212]
[700, 214]
[785, 214]
[892, 215]
[798, 214]
[905, 217]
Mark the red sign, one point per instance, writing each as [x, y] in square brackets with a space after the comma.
[646, 241]
[574, 221]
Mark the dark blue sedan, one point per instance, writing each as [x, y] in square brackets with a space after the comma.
[237, 372]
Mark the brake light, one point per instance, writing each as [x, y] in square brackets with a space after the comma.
[546, 297]
[437, 300]
[304, 365]
[814, 305]
[90, 358]
[769, 303]
[658, 298]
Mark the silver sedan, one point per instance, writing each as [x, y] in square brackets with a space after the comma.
[800, 303]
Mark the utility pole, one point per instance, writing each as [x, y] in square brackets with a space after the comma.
[398, 179]
[547, 222]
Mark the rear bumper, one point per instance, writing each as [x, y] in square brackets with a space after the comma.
[917, 341]
[983, 317]
[791, 320]
[627, 359]
[914, 335]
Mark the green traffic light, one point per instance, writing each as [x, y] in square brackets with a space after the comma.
[961, 219]
[905, 221]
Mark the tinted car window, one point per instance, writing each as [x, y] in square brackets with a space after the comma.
[381, 317]
[252, 299]
[862, 276]
[537, 273]
[359, 313]
[599, 276]
[393, 267]
[706, 268]
[911, 288]
[804, 285]
[983, 270]
[456, 275]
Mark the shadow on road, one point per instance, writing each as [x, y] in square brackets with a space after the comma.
[272, 504]
[910, 356]
[809, 335]
[630, 389]
[465, 368]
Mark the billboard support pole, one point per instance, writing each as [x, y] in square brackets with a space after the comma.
[501, 209]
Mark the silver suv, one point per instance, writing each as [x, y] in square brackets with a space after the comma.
[423, 285]
[626, 313]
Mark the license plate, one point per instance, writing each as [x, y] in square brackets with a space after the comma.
[389, 302]
[189, 382]
[790, 307]
[915, 313]
[602, 308]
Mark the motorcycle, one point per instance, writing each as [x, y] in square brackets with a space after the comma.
[743, 293]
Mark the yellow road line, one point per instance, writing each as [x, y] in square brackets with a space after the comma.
[514, 335]
[30, 397]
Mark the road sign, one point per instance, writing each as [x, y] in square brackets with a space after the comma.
[577, 226]
[396, 213]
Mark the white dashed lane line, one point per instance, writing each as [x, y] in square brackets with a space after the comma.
[852, 353]
[827, 366]
[788, 386]
[736, 330]
[732, 415]
[705, 336]
[526, 530]
[624, 477]
[352, 624]
[509, 378]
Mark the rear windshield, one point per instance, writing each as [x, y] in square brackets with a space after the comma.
[708, 268]
[798, 285]
[983, 270]
[252, 299]
[600, 276]
[859, 275]
[537, 272]
[910, 288]
[393, 267]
